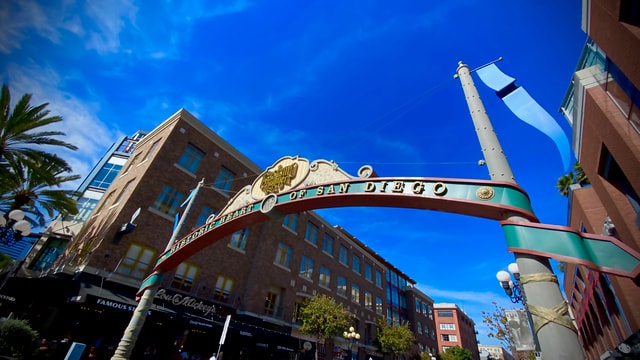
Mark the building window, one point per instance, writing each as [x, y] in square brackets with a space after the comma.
[191, 158]
[327, 244]
[306, 268]
[325, 277]
[419, 327]
[152, 150]
[169, 200]
[622, 91]
[368, 271]
[379, 279]
[271, 302]
[344, 255]
[355, 263]
[204, 215]
[312, 233]
[368, 300]
[379, 306]
[85, 208]
[290, 221]
[137, 262]
[417, 305]
[611, 171]
[132, 161]
[445, 313]
[447, 326]
[355, 293]
[283, 256]
[105, 176]
[224, 180]
[124, 192]
[224, 287]
[239, 239]
[185, 274]
[449, 337]
[341, 288]
[424, 309]
[630, 12]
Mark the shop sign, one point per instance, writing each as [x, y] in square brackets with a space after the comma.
[186, 302]
[115, 305]
[7, 297]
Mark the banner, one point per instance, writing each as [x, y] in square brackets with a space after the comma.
[518, 326]
[526, 108]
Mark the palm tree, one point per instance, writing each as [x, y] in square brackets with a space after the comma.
[576, 176]
[31, 191]
[21, 128]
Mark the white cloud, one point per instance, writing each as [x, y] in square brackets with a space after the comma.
[80, 122]
[18, 17]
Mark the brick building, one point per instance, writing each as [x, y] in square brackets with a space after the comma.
[602, 107]
[260, 275]
[455, 328]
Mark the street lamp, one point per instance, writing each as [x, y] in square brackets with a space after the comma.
[352, 337]
[13, 226]
[513, 289]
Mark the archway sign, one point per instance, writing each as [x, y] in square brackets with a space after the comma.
[294, 184]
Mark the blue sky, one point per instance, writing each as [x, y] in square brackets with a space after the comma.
[357, 82]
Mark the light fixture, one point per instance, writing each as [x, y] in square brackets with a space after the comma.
[352, 337]
[513, 289]
[13, 226]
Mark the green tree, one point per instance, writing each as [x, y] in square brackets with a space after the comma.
[575, 176]
[393, 338]
[5, 262]
[457, 353]
[323, 318]
[32, 191]
[17, 338]
[22, 128]
[498, 325]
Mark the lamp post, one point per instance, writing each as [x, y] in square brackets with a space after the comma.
[516, 294]
[13, 226]
[352, 337]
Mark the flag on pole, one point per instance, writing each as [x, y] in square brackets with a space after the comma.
[526, 108]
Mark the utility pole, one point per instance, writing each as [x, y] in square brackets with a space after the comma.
[551, 322]
[130, 336]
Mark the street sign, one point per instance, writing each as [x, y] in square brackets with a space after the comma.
[224, 331]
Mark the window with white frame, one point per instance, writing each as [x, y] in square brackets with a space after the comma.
[325, 277]
[447, 326]
[224, 287]
[283, 256]
[306, 268]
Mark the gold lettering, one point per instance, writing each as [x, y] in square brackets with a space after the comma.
[331, 190]
[302, 193]
[369, 186]
[344, 188]
[398, 186]
[418, 187]
[320, 190]
[276, 180]
[439, 188]
[292, 196]
[383, 186]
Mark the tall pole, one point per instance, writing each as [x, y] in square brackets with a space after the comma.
[130, 336]
[552, 324]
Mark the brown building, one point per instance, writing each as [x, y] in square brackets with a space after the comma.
[455, 328]
[421, 320]
[260, 275]
[602, 107]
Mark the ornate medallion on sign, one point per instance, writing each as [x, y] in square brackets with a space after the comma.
[485, 193]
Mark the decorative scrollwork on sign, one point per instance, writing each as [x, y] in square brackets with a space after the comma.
[485, 193]
[366, 171]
